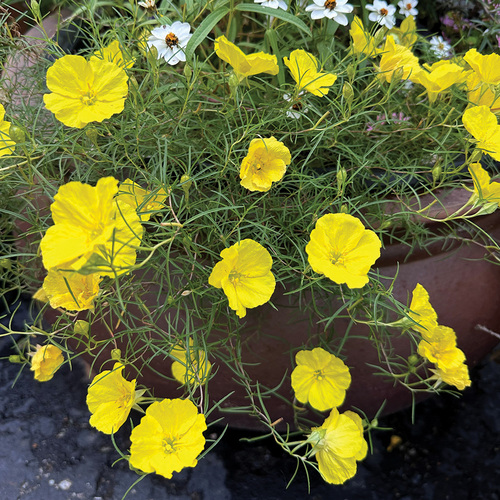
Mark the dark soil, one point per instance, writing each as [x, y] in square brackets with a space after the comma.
[48, 451]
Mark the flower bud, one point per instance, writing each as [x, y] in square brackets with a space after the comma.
[436, 173]
[344, 209]
[188, 72]
[81, 327]
[116, 354]
[186, 183]
[351, 71]
[17, 134]
[348, 93]
[15, 358]
[341, 179]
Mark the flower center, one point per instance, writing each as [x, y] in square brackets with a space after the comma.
[384, 12]
[171, 40]
[89, 97]
[330, 4]
[409, 6]
[318, 374]
[337, 258]
[234, 277]
[168, 445]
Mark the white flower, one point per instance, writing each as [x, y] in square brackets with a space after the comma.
[272, 4]
[382, 13]
[330, 9]
[407, 7]
[170, 41]
[440, 47]
[296, 109]
[148, 4]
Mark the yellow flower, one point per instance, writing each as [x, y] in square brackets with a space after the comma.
[320, 379]
[88, 223]
[484, 189]
[441, 348]
[244, 273]
[84, 92]
[482, 83]
[422, 312]
[487, 68]
[110, 398]
[440, 77]
[342, 249]
[143, 201]
[168, 438]
[6, 143]
[304, 69]
[46, 361]
[191, 366]
[399, 60]
[242, 64]
[482, 124]
[264, 164]
[337, 445]
[71, 290]
[457, 375]
[406, 34]
[362, 41]
[113, 53]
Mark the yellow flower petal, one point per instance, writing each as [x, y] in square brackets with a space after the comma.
[168, 438]
[83, 91]
[482, 124]
[422, 312]
[110, 398]
[113, 53]
[70, 290]
[303, 67]
[242, 64]
[265, 163]
[397, 59]
[342, 249]
[244, 275]
[46, 361]
[320, 379]
[484, 189]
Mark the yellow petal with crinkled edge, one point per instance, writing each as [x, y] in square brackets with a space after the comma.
[482, 124]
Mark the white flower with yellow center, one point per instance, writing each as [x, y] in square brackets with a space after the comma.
[407, 7]
[330, 9]
[440, 47]
[170, 41]
[382, 13]
[272, 4]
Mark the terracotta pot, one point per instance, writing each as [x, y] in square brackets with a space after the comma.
[461, 285]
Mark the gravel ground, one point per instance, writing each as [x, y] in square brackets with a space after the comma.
[48, 451]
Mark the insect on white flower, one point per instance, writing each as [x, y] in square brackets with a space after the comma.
[170, 41]
[382, 13]
[330, 9]
[272, 4]
[407, 7]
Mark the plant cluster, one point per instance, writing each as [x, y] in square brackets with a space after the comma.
[192, 163]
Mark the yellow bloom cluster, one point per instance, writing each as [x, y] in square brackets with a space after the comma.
[482, 124]
[439, 343]
[95, 234]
